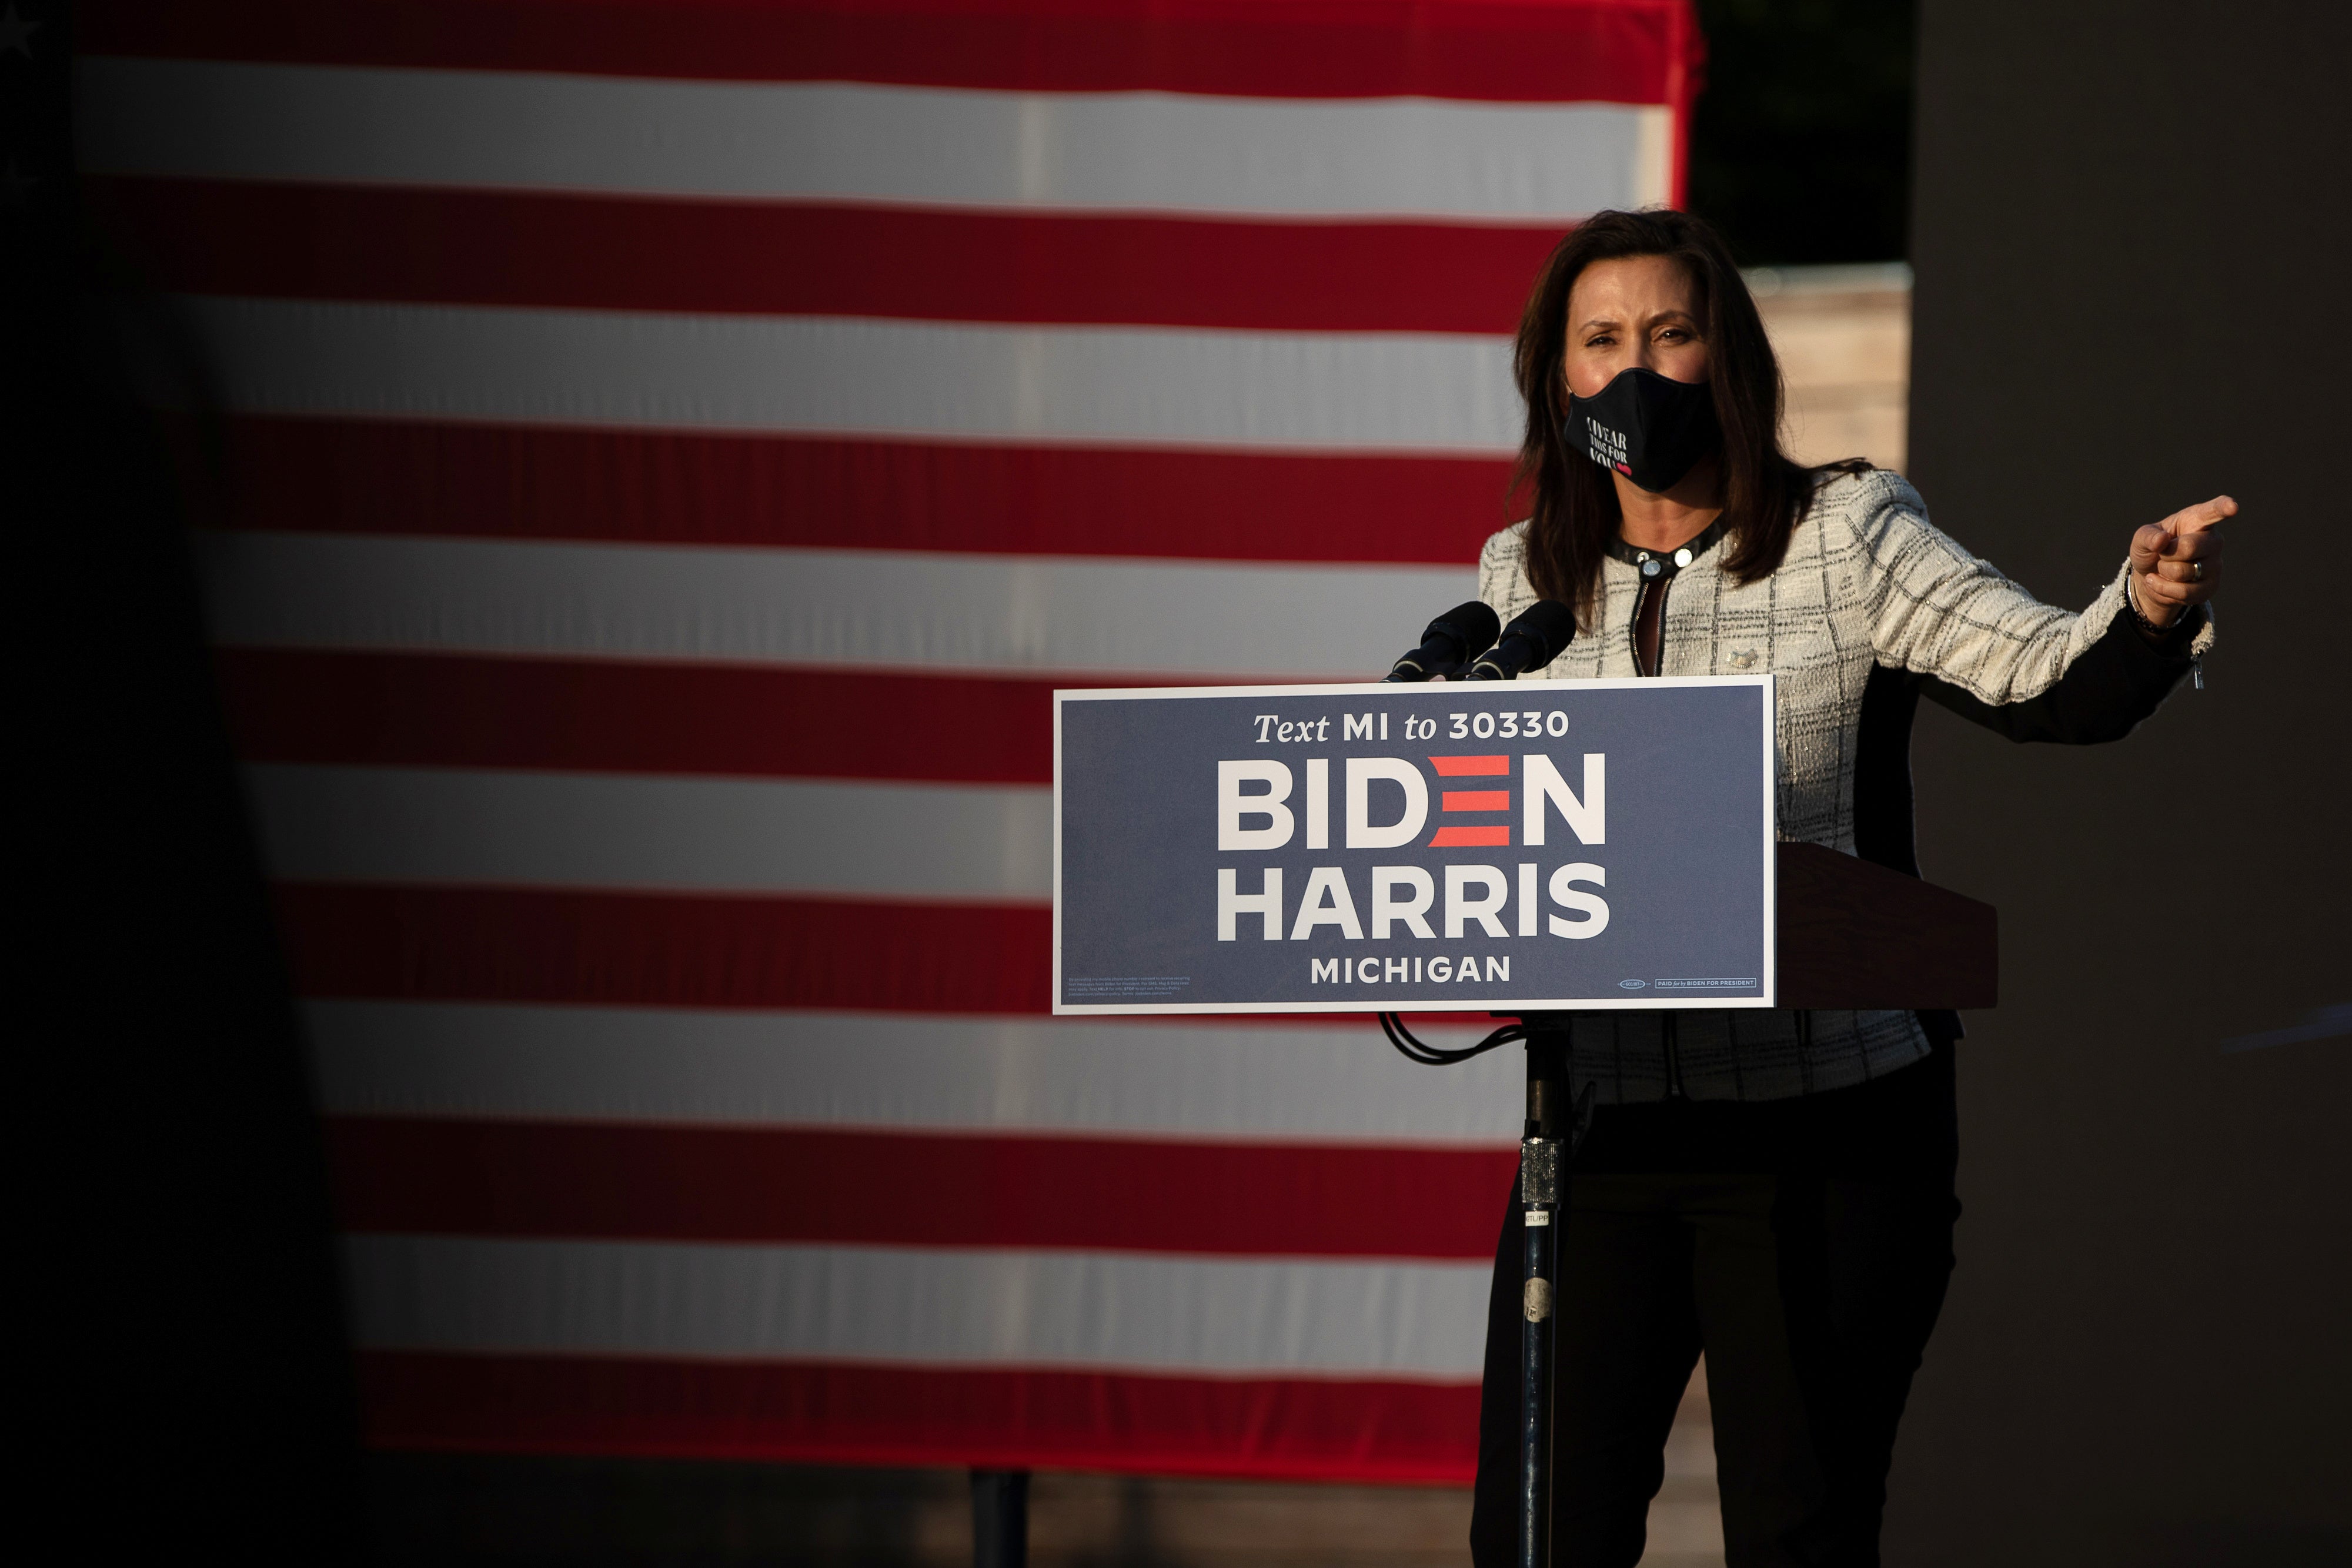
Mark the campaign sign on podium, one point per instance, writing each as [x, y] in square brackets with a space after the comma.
[1449, 847]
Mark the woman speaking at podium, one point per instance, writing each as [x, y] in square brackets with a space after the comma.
[1773, 1187]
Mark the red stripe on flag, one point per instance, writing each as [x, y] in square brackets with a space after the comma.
[666, 487]
[1301, 1429]
[500, 247]
[433, 710]
[910, 1190]
[1469, 837]
[1623, 51]
[474, 943]
[1469, 767]
[1477, 800]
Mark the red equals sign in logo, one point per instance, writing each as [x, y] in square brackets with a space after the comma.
[1465, 836]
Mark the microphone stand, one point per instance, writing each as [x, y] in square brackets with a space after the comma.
[1545, 1148]
[1553, 1129]
[1557, 1120]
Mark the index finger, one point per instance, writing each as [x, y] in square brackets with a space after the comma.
[2196, 520]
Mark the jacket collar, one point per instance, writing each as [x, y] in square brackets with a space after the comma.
[1652, 563]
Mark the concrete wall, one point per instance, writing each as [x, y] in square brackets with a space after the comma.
[2132, 243]
[1844, 336]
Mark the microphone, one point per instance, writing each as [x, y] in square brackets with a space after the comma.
[1451, 642]
[1535, 637]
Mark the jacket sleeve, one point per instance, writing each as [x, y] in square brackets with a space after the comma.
[1502, 571]
[2118, 681]
[1983, 647]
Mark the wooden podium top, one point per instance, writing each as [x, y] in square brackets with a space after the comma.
[1855, 935]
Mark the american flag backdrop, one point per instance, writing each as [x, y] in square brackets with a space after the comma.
[677, 446]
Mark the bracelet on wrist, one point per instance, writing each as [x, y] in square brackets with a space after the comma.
[2148, 627]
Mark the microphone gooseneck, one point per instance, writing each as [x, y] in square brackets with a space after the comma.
[1451, 642]
[1535, 637]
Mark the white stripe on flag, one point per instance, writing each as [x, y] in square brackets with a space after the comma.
[876, 609]
[1384, 392]
[852, 141]
[1323, 1083]
[884, 1305]
[331, 823]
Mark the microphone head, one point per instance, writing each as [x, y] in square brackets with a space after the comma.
[1548, 626]
[1536, 636]
[1452, 640]
[1472, 627]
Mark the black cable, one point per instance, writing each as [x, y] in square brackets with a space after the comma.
[1469, 623]
[1428, 1055]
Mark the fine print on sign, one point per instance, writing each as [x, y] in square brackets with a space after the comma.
[1451, 847]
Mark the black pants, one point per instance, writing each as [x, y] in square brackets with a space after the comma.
[1804, 1246]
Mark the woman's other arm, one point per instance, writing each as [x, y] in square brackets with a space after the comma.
[1980, 645]
[1502, 575]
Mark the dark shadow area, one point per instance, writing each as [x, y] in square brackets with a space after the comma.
[1800, 144]
[603, 1512]
[181, 1383]
[2129, 251]
[2214, 1544]
[458, 1508]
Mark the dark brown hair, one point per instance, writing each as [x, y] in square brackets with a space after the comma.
[1575, 514]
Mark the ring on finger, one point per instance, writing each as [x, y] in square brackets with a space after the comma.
[2196, 571]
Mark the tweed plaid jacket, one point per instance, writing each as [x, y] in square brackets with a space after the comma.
[1871, 609]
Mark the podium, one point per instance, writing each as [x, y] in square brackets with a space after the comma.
[1849, 934]
[1528, 852]
[1855, 935]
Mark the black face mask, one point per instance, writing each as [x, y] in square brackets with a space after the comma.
[1648, 427]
